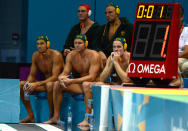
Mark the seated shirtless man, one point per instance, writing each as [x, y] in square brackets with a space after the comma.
[116, 68]
[50, 63]
[83, 62]
[117, 64]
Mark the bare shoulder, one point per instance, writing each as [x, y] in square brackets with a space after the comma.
[93, 53]
[55, 52]
[35, 55]
[127, 54]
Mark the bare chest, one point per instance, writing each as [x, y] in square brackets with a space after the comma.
[45, 66]
[81, 66]
[112, 31]
[85, 29]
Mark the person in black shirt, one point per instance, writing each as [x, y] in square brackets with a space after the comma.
[85, 26]
[116, 27]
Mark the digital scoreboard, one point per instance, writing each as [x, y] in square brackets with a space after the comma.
[154, 48]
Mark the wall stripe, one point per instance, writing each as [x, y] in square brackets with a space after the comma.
[5, 127]
[48, 127]
[26, 127]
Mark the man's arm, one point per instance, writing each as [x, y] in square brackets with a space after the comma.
[121, 73]
[184, 54]
[93, 70]
[57, 67]
[68, 66]
[107, 70]
[33, 70]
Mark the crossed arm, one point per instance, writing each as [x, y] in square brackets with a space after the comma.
[123, 75]
[57, 67]
[107, 70]
[93, 71]
[112, 62]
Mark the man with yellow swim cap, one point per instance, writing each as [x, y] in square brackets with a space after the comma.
[50, 63]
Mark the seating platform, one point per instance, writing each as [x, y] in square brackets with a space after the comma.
[141, 109]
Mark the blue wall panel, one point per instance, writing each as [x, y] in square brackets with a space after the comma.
[9, 100]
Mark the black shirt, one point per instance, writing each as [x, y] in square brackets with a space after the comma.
[91, 36]
[124, 30]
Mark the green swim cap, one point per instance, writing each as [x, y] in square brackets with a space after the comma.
[82, 37]
[45, 38]
[122, 40]
[42, 37]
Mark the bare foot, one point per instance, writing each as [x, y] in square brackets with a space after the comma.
[28, 119]
[84, 123]
[84, 128]
[175, 83]
[51, 121]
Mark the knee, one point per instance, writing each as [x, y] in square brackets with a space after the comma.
[185, 70]
[22, 83]
[56, 86]
[180, 61]
[86, 86]
[49, 86]
[100, 83]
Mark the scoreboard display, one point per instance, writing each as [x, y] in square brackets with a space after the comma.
[154, 48]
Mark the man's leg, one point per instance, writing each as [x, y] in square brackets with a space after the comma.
[30, 117]
[180, 63]
[49, 89]
[57, 98]
[178, 81]
[185, 68]
[87, 95]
